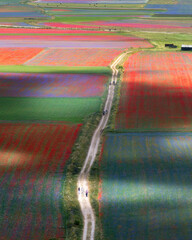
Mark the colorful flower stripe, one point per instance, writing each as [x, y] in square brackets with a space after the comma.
[75, 57]
[156, 92]
[17, 56]
[67, 25]
[42, 31]
[88, 38]
[134, 25]
[51, 85]
[31, 172]
[73, 43]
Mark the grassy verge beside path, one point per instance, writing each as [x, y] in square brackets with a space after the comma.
[73, 218]
[50, 69]
[95, 170]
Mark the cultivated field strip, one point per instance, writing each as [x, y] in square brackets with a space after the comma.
[156, 92]
[32, 162]
[52, 85]
[146, 186]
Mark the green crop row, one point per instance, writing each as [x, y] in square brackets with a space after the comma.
[73, 110]
[50, 69]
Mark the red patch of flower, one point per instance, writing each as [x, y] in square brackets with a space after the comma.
[156, 92]
[32, 161]
[17, 56]
[75, 57]
[27, 144]
[42, 31]
[87, 38]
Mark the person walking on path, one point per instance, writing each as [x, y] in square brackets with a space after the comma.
[86, 193]
[79, 190]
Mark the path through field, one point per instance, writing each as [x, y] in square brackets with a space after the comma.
[86, 208]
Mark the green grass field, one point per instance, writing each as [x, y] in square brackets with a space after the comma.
[73, 110]
[50, 69]
[159, 39]
[88, 18]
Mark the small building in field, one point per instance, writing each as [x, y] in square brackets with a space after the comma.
[186, 47]
[170, 45]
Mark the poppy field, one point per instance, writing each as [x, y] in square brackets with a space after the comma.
[23, 38]
[146, 186]
[83, 37]
[17, 56]
[32, 31]
[32, 161]
[51, 85]
[64, 38]
[156, 92]
[75, 57]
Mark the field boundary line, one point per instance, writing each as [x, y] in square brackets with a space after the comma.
[27, 63]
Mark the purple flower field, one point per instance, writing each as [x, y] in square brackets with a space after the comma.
[51, 85]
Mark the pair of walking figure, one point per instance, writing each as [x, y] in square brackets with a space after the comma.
[81, 191]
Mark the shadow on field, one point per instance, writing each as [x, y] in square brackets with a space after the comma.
[146, 221]
[155, 100]
[146, 190]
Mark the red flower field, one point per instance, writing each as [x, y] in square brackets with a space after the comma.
[16, 56]
[42, 31]
[32, 161]
[134, 41]
[75, 57]
[156, 92]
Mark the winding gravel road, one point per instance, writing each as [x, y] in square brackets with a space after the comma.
[82, 184]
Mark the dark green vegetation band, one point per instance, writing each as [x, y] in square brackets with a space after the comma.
[73, 110]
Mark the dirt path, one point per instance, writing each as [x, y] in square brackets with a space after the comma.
[82, 184]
